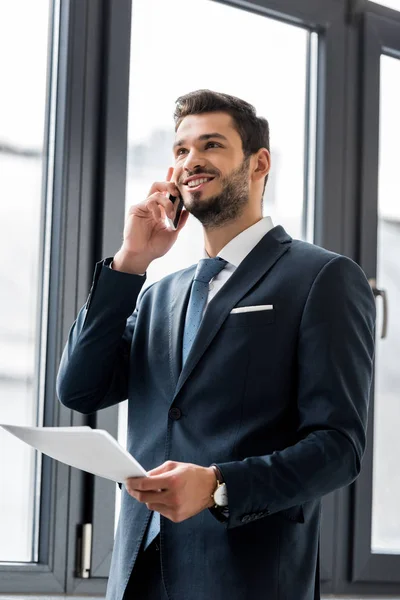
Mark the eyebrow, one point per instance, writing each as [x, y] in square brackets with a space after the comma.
[201, 138]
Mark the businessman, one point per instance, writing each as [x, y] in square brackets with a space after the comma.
[248, 376]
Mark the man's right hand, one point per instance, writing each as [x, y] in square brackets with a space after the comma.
[146, 235]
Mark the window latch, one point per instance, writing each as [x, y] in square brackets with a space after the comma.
[382, 293]
[84, 551]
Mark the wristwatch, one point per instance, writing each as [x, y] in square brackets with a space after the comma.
[220, 494]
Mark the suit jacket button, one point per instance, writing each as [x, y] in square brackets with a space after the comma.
[175, 413]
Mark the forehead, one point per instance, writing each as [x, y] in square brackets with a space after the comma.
[193, 126]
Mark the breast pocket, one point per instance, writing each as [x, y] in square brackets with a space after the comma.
[257, 318]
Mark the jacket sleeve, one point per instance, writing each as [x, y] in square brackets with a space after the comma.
[93, 372]
[335, 364]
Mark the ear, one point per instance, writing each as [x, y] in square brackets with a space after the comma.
[262, 164]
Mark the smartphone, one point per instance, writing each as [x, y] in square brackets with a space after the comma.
[174, 223]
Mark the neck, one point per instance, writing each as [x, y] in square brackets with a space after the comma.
[217, 238]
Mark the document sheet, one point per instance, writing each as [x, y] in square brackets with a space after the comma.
[91, 450]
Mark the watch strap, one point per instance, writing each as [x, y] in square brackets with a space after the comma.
[218, 512]
[218, 474]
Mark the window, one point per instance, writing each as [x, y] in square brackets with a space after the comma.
[386, 476]
[395, 4]
[175, 71]
[23, 167]
[376, 544]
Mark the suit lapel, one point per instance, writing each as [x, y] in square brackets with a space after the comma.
[260, 260]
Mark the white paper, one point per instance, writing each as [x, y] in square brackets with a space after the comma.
[91, 450]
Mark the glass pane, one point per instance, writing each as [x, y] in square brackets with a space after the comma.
[23, 73]
[151, 127]
[389, 3]
[386, 473]
[178, 67]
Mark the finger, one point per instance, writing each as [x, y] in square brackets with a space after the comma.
[159, 199]
[167, 466]
[135, 487]
[132, 481]
[158, 211]
[146, 484]
[161, 498]
[170, 172]
[163, 187]
[153, 209]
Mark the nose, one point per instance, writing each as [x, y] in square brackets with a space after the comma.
[193, 161]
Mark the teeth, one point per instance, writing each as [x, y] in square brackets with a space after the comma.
[196, 182]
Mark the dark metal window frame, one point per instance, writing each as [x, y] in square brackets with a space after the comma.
[381, 36]
[47, 575]
[88, 190]
[88, 215]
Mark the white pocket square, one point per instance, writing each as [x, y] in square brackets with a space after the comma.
[244, 309]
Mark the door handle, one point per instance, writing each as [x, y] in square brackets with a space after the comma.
[382, 293]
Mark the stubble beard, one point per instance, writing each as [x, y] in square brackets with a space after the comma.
[228, 205]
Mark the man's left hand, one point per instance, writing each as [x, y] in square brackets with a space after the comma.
[176, 490]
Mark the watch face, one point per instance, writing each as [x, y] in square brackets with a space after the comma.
[221, 496]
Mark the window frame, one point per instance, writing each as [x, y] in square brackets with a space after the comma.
[77, 240]
[24, 577]
[381, 37]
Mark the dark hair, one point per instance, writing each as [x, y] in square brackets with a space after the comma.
[253, 130]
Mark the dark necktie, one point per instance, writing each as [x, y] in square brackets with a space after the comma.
[207, 268]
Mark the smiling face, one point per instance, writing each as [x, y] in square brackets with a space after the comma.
[210, 168]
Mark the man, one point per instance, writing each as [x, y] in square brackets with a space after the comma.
[264, 372]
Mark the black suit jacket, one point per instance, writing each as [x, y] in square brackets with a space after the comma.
[277, 398]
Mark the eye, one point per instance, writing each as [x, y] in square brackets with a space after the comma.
[180, 151]
[214, 144]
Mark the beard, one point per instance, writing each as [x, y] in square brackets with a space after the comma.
[228, 205]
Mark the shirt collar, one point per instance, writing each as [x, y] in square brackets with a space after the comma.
[237, 249]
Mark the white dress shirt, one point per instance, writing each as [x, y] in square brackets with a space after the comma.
[236, 251]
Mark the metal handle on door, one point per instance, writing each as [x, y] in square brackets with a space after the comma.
[382, 293]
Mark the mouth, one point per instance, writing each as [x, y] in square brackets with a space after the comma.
[198, 184]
